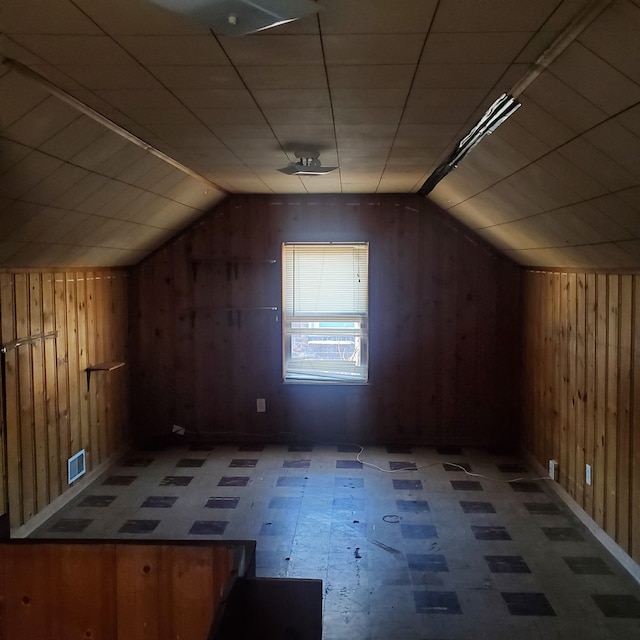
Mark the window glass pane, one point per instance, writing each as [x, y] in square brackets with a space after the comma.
[325, 291]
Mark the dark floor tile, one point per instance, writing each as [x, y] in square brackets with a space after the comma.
[277, 528]
[421, 531]
[477, 507]
[466, 485]
[208, 527]
[412, 505]
[457, 466]
[349, 483]
[398, 448]
[507, 564]
[543, 508]
[139, 526]
[527, 487]
[436, 602]
[512, 467]
[222, 502]
[618, 606]
[280, 502]
[201, 447]
[302, 463]
[256, 446]
[70, 525]
[562, 534]
[176, 481]
[97, 501]
[348, 464]
[119, 481]
[137, 462]
[159, 502]
[396, 465]
[349, 448]
[490, 533]
[407, 485]
[528, 604]
[291, 481]
[588, 565]
[348, 504]
[300, 446]
[427, 562]
[245, 463]
[191, 462]
[233, 481]
[449, 451]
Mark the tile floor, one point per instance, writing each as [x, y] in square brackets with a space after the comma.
[420, 550]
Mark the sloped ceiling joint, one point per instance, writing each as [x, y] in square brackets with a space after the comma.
[16, 66]
[569, 35]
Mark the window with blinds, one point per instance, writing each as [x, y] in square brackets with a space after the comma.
[325, 312]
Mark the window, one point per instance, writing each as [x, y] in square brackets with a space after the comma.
[325, 317]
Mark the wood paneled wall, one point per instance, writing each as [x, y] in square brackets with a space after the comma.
[581, 385]
[443, 328]
[112, 591]
[74, 320]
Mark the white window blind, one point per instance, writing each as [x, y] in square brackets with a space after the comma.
[325, 302]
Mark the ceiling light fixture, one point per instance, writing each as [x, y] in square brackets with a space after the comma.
[241, 17]
[497, 113]
[308, 164]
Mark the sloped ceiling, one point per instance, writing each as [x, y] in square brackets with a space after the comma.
[384, 89]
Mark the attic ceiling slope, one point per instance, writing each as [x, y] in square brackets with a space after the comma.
[382, 90]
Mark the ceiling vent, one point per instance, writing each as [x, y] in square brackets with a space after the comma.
[241, 17]
[307, 164]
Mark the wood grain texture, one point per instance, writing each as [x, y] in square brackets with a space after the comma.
[51, 414]
[113, 591]
[582, 339]
[443, 328]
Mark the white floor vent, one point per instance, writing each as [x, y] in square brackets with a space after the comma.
[76, 466]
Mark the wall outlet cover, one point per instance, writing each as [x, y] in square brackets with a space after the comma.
[553, 469]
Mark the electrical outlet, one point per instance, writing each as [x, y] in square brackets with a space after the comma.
[587, 474]
[553, 469]
[261, 405]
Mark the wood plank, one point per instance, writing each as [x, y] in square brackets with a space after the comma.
[26, 423]
[624, 442]
[76, 380]
[635, 425]
[571, 399]
[95, 445]
[27, 607]
[82, 316]
[580, 389]
[611, 425]
[599, 470]
[7, 318]
[192, 591]
[138, 579]
[83, 572]
[590, 405]
[40, 432]
[62, 375]
[54, 484]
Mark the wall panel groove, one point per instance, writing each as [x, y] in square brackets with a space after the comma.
[443, 324]
[51, 413]
[582, 338]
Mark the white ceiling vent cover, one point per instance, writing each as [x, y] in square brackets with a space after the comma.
[76, 466]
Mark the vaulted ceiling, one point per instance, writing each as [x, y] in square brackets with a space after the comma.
[122, 123]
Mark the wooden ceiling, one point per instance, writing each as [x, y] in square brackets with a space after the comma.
[382, 88]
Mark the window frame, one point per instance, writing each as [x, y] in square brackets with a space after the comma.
[358, 317]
